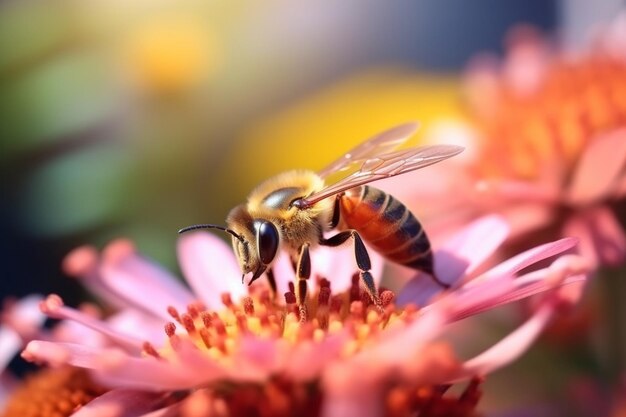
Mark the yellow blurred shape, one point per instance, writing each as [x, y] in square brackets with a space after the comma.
[319, 128]
[170, 55]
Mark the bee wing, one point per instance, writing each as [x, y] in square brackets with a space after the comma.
[382, 143]
[385, 166]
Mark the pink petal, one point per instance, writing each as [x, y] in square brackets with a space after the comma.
[515, 264]
[24, 316]
[10, 344]
[113, 367]
[53, 307]
[598, 169]
[517, 191]
[527, 217]
[462, 254]
[609, 238]
[338, 265]
[308, 359]
[511, 347]
[83, 263]
[284, 274]
[578, 226]
[210, 267]
[567, 273]
[457, 259]
[143, 283]
[602, 236]
[258, 357]
[123, 403]
[354, 386]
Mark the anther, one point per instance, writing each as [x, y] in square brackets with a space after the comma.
[207, 319]
[171, 310]
[248, 306]
[51, 304]
[290, 297]
[355, 290]
[227, 300]
[219, 326]
[188, 324]
[324, 296]
[336, 302]
[149, 350]
[387, 297]
[242, 322]
[324, 283]
[170, 329]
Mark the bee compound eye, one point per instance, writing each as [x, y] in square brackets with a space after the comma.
[267, 241]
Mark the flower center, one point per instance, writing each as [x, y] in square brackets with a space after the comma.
[52, 392]
[217, 332]
[576, 102]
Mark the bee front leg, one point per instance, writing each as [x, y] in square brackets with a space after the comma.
[303, 272]
[362, 261]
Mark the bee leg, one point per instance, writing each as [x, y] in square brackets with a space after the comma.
[272, 281]
[362, 261]
[303, 272]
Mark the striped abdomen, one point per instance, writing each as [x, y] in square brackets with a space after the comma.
[387, 226]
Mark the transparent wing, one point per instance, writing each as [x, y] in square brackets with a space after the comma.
[380, 144]
[385, 166]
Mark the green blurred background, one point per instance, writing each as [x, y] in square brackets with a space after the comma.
[135, 118]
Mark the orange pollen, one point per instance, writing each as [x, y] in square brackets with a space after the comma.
[55, 392]
[576, 102]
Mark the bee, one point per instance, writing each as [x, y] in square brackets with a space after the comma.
[296, 210]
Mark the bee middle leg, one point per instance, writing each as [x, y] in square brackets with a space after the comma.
[303, 272]
[362, 261]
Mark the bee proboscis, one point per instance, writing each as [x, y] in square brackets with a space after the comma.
[294, 210]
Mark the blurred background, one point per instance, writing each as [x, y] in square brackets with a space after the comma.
[134, 119]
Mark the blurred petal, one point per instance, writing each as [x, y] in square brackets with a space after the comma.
[338, 265]
[24, 316]
[457, 259]
[53, 307]
[511, 347]
[210, 267]
[10, 344]
[598, 169]
[526, 259]
[122, 403]
[568, 273]
[144, 283]
[603, 239]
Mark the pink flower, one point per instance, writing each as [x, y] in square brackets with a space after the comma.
[550, 146]
[225, 352]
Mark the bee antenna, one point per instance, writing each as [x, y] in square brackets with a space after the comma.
[211, 226]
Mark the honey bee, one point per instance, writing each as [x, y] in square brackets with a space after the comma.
[293, 211]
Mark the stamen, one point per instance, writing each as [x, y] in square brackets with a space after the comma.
[248, 306]
[171, 310]
[207, 319]
[387, 297]
[188, 324]
[227, 300]
[290, 297]
[170, 329]
[355, 290]
[148, 349]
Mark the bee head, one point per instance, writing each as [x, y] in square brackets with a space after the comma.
[255, 242]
